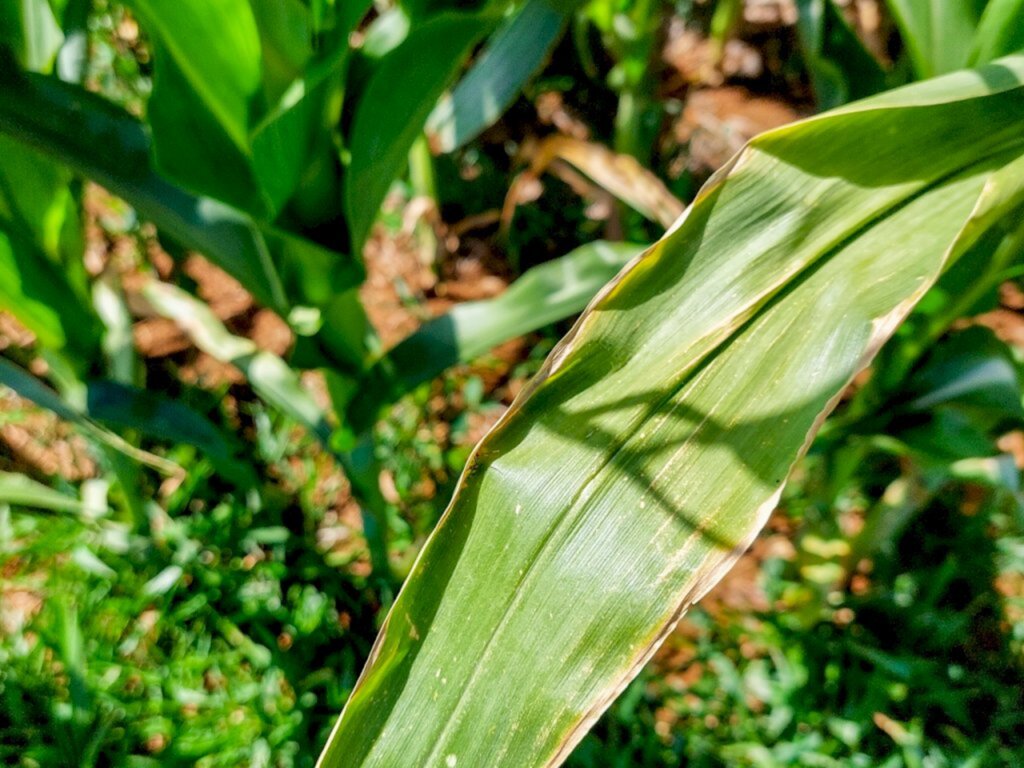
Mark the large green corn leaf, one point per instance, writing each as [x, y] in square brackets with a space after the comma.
[656, 440]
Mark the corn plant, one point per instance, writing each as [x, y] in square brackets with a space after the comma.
[271, 137]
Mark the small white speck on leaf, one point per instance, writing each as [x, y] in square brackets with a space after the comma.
[451, 761]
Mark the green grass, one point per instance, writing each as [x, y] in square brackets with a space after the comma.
[215, 632]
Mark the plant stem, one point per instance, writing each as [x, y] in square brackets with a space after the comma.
[424, 184]
[363, 472]
[421, 169]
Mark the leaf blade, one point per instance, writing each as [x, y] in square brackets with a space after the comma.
[543, 295]
[512, 56]
[385, 125]
[646, 455]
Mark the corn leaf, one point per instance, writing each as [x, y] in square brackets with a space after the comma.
[392, 110]
[109, 146]
[302, 89]
[511, 57]
[545, 294]
[239, 94]
[207, 81]
[656, 440]
[938, 35]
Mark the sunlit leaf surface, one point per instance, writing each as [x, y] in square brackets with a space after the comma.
[656, 440]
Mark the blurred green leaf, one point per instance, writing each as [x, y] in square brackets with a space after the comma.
[964, 396]
[352, 12]
[238, 116]
[163, 582]
[938, 35]
[543, 295]
[1000, 31]
[23, 491]
[302, 90]
[509, 59]
[35, 290]
[841, 68]
[421, 10]
[972, 369]
[42, 280]
[206, 90]
[392, 110]
[165, 420]
[30, 31]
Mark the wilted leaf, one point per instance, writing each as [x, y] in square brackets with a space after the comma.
[619, 174]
